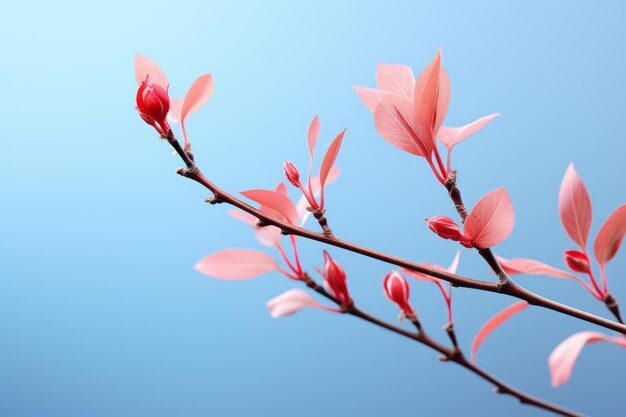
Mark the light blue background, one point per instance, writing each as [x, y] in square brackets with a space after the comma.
[101, 311]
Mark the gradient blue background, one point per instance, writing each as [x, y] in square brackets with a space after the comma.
[101, 311]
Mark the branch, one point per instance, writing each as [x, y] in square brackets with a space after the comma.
[192, 171]
[453, 354]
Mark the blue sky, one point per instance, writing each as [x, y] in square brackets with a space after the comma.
[101, 311]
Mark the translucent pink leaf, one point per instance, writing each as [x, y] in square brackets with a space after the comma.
[396, 79]
[395, 121]
[575, 207]
[455, 263]
[278, 204]
[291, 302]
[281, 188]
[316, 186]
[176, 107]
[432, 97]
[494, 323]
[267, 235]
[329, 160]
[610, 236]
[145, 67]
[370, 96]
[314, 130]
[198, 94]
[491, 220]
[532, 267]
[563, 357]
[451, 136]
[234, 264]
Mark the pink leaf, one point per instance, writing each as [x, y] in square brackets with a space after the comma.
[145, 67]
[329, 160]
[314, 130]
[563, 357]
[532, 267]
[234, 264]
[575, 207]
[267, 235]
[494, 323]
[491, 220]
[451, 136]
[396, 123]
[198, 94]
[370, 96]
[396, 79]
[176, 106]
[316, 186]
[278, 204]
[610, 236]
[291, 302]
[432, 96]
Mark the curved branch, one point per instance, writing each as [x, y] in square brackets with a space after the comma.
[507, 287]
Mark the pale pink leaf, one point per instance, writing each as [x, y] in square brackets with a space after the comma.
[396, 79]
[370, 96]
[575, 207]
[610, 236]
[329, 159]
[198, 94]
[491, 220]
[316, 186]
[235, 264]
[455, 263]
[291, 302]
[532, 267]
[493, 323]
[145, 67]
[314, 130]
[451, 136]
[278, 204]
[563, 357]
[395, 121]
[281, 188]
[176, 106]
[267, 235]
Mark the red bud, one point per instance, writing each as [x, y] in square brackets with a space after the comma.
[153, 104]
[292, 174]
[335, 279]
[444, 227]
[577, 261]
[396, 289]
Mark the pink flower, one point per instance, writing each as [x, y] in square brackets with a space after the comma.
[153, 104]
[335, 279]
[396, 289]
[577, 261]
[444, 227]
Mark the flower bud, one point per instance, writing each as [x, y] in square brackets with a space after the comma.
[292, 174]
[335, 279]
[444, 227]
[577, 261]
[396, 289]
[153, 104]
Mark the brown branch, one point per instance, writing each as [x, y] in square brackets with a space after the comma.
[453, 354]
[192, 171]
